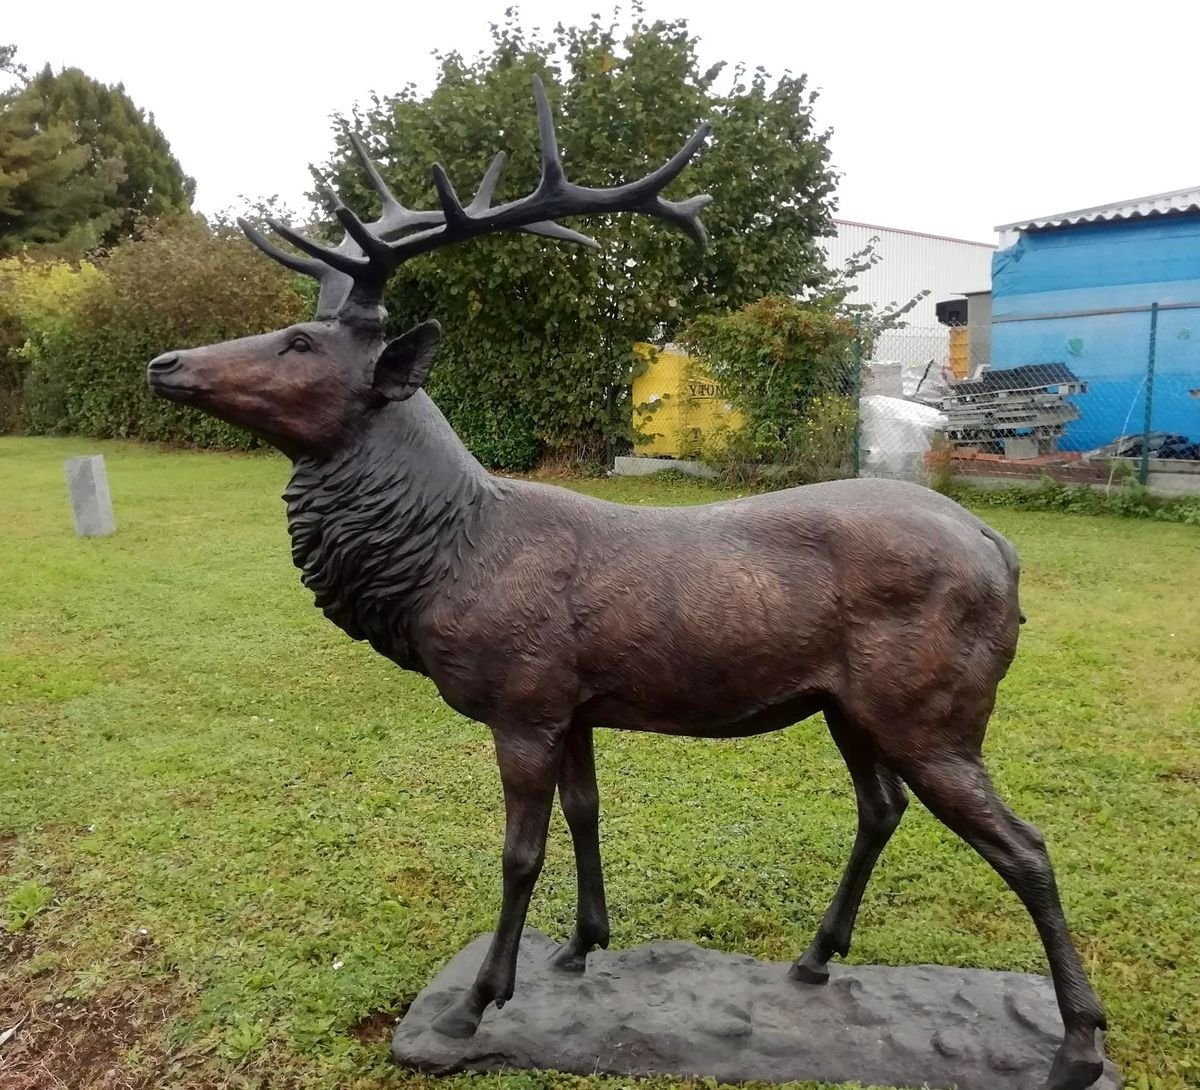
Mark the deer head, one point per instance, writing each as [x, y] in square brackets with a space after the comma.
[306, 388]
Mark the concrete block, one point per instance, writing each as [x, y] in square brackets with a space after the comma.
[91, 505]
[634, 466]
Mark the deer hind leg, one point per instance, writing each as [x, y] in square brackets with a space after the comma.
[580, 800]
[881, 803]
[528, 770]
[959, 792]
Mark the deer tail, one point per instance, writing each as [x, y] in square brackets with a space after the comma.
[1011, 561]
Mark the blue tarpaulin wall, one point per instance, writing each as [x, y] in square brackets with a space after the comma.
[1051, 275]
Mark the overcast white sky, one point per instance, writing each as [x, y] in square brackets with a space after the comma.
[948, 117]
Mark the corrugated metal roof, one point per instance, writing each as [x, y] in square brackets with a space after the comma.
[915, 234]
[1158, 204]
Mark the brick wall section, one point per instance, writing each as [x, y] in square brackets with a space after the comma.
[1062, 467]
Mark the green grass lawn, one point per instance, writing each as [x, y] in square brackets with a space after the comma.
[234, 844]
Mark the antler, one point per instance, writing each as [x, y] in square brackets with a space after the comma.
[360, 265]
[335, 267]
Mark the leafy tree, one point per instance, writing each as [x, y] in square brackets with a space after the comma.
[539, 335]
[48, 195]
[9, 64]
[80, 164]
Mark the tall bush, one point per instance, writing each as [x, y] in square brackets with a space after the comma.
[790, 369]
[38, 299]
[12, 337]
[182, 283]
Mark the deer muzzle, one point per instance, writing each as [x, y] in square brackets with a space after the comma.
[168, 377]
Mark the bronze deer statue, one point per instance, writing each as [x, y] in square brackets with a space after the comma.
[545, 614]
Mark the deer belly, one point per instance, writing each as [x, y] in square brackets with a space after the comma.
[694, 719]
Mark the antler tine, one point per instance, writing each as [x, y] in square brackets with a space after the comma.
[393, 215]
[550, 229]
[482, 201]
[685, 215]
[306, 265]
[487, 188]
[332, 256]
[658, 180]
[553, 177]
[371, 171]
[457, 219]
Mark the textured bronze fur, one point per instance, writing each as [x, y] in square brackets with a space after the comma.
[544, 614]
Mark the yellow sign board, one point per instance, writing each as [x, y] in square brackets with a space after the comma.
[675, 404]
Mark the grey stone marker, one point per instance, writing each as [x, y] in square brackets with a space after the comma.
[671, 1008]
[91, 505]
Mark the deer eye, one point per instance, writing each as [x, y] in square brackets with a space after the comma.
[299, 343]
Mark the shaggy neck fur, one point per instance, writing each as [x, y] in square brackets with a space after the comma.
[379, 527]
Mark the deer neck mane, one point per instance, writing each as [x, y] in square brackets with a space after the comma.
[380, 527]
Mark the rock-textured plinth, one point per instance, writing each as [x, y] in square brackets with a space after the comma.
[671, 1008]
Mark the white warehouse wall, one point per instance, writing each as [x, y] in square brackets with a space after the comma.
[910, 262]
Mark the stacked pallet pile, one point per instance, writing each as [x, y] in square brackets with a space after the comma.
[1020, 412]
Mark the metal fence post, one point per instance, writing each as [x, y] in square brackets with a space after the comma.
[858, 387]
[1144, 467]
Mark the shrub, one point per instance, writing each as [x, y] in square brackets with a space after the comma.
[37, 300]
[790, 369]
[499, 434]
[1130, 500]
[12, 337]
[182, 283]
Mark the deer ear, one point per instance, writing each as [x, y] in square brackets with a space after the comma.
[404, 364]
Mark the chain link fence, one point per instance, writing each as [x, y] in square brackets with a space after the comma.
[1090, 398]
[1094, 398]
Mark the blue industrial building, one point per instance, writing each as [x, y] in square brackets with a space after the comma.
[1078, 288]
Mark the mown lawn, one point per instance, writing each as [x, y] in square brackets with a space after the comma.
[235, 844]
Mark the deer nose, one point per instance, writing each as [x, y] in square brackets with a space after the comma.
[164, 364]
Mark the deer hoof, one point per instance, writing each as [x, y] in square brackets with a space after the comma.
[808, 970]
[570, 963]
[1074, 1069]
[459, 1021]
[567, 960]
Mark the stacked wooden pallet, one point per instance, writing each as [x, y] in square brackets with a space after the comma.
[1027, 402]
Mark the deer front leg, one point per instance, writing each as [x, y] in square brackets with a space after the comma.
[580, 801]
[529, 770]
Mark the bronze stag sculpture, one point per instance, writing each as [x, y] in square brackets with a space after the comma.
[544, 614]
